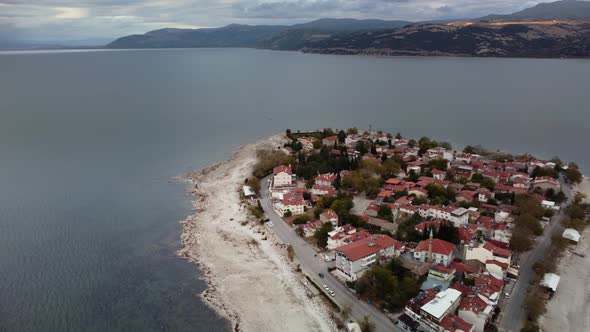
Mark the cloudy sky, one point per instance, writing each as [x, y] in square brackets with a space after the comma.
[61, 20]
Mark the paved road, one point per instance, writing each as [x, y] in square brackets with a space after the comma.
[313, 264]
[513, 317]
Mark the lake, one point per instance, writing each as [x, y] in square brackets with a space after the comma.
[90, 143]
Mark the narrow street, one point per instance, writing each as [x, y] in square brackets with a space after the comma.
[513, 315]
[313, 264]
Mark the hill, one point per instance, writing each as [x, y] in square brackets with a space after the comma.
[559, 10]
[234, 35]
[511, 40]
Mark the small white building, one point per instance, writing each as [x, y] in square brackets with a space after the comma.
[550, 281]
[571, 234]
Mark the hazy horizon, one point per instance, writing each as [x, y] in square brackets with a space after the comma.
[95, 21]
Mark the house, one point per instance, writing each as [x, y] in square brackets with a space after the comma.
[463, 158]
[545, 183]
[282, 176]
[330, 141]
[458, 216]
[436, 251]
[372, 210]
[501, 233]
[486, 252]
[496, 268]
[326, 180]
[466, 196]
[329, 216]
[344, 235]
[415, 167]
[444, 303]
[306, 143]
[323, 191]
[484, 194]
[571, 234]
[438, 174]
[418, 192]
[354, 258]
[475, 311]
[488, 288]
[441, 272]
[310, 228]
[407, 209]
[292, 202]
[454, 323]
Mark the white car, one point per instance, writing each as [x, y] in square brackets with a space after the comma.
[326, 287]
[269, 224]
[332, 294]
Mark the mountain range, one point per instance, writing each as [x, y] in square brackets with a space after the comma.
[557, 29]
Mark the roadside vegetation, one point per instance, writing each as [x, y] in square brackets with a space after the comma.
[536, 301]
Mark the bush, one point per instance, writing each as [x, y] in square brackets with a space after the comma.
[301, 219]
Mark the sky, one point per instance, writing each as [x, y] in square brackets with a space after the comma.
[101, 20]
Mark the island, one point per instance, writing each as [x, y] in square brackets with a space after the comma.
[346, 229]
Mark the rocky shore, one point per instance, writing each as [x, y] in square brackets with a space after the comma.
[251, 282]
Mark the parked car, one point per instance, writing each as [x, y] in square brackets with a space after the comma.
[321, 275]
[332, 294]
[326, 287]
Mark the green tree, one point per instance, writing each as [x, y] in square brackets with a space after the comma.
[321, 235]
[341, 136]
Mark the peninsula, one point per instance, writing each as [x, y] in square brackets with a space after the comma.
[348, 229]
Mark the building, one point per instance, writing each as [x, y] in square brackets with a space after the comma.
[309, 228]
[550, 281]
[330, 141]
[436, 251]
[475, 311]
[282, 176]
[318, 190]
[306, 143]
[438, 174]
[488, 288]
[444, 303]
[487, 252]
[292, 202]
[353, 259]
[496, 268]
[454, 323]
[326, 180]
[545, 183]
[329, 216]
[458, 216]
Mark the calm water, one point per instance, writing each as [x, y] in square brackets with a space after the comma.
[89, 142]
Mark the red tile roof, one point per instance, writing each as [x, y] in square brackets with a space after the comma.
[368, 246]
[438, 246]
[328, 177]
[462, 267]
[473, 304]
[504, 266]
[282, 168]
[329, 214]
[455, 323]
[497, 251]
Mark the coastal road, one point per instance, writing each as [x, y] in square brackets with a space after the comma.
[513, 316]
[313, 264]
